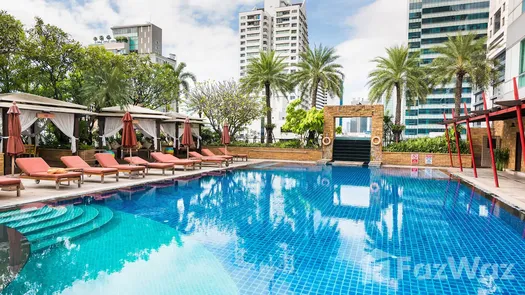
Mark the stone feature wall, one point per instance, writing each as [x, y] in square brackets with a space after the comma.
[272, 153]
[438, 160]
[353, 111]
[507, 130]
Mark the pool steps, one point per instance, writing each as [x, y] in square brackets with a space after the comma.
[46, 226]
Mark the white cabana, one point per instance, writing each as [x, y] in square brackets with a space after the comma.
[146, 120]
[64, 115]
[174, 127]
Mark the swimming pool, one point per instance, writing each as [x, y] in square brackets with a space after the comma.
[277, 229]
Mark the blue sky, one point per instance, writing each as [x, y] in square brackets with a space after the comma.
[204, 33]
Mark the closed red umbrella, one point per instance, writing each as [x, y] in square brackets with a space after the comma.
[187, 138]
[129, 137]
[15, 146]
[225, 136]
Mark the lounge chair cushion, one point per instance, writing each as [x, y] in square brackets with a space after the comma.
[56, 176]
[209, 153]
[140, 161]
[206, 159]
[74, 162]
[165, 158]
[4, 181]
[32, 165]
[106, 160]
[99, 170]
[129, 167]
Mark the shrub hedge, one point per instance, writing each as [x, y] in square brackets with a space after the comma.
[426, 145]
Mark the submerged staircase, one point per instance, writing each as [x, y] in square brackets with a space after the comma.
[47, 226]
[351, 150]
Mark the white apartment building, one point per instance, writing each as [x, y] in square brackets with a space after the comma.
[496, 43]
[280, 26]
[515, 49]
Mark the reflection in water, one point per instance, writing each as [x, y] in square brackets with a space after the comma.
[277, 231]
[14, 251]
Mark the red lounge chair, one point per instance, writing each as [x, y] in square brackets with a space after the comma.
[166, 158]
[209, 153]
[215, 160]
[37, 169]
[77, 162]
[10, 182]
[239, 156]
[108, 161]
[148, 165]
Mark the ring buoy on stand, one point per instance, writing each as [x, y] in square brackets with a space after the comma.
[376, 140]
[327, 141]
[325, 182]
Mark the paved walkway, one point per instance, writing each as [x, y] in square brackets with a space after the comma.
[511, 190]
[45, 191]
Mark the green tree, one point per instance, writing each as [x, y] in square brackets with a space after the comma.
[462, 57]
[101, 80]
[267, 72]
[12, 37]
[399, 72]
[54, 53]
[141, 78]
[302, 122]
[318, 68]
[223, 102]
[181, 81]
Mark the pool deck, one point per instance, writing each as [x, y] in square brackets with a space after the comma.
[46, 191]
[511, 187]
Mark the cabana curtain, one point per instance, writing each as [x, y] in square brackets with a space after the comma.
[171, 130]
[111, 127]
[66, 124]
[149, 127]
[194, 132]
[27, 119]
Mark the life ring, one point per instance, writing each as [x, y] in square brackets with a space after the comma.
[325, 182]
[327, 141]
[374, 187]
[376, 140]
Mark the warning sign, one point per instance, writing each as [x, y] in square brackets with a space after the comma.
[415, 159]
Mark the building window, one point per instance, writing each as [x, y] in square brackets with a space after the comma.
[497, 21]
[502, 21]
[504, 6]
[522, 64]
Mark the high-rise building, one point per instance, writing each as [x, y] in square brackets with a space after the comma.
[430, 22]
[515, 49]
[280, 26]
[142, 39]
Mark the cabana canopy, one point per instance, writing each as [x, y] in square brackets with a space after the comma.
[174, 127]
[147, 120]
[33, 107]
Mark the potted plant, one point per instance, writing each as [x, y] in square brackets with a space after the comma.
[502, 158]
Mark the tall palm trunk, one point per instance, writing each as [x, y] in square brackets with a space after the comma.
[269, 127]
[459, 92]
[397, 120]
[315, 88]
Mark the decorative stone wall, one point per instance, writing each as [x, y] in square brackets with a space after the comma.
[373, 111]
[508, 131]
[272, 153]
[438, 160]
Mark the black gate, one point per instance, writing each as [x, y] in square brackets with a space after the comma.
[351, 149]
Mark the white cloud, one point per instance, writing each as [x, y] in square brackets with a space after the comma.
[198, 32]
[375, 27]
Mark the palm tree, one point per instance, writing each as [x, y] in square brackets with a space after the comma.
[95, 39]
[181, 79]
[399, 72]
[317, 68]
[462, 57]
[267, 72]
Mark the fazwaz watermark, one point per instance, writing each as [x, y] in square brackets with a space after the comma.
[400, 268]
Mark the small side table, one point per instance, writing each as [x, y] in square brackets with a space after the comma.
[81, 170]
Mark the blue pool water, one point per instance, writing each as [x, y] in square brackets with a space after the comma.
[275, 229]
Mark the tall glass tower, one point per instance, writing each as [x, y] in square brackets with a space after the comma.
[430, 22]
